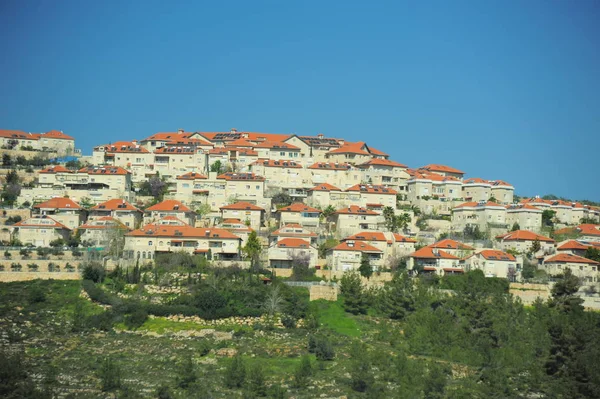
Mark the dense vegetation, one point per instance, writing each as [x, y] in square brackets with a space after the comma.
[411, 338]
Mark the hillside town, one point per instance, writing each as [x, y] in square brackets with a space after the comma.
[335, 204]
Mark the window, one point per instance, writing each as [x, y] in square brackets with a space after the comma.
[150, 243]
[258, 187]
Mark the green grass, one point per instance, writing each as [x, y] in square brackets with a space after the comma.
[332, 316]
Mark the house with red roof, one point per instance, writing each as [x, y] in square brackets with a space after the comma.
[214, 243]
[476, 190]
[102, 232]
[352, 153]
[443, 170]
[299, 213]
[454, 247]
[169, 207]
[374, 194]
[353, 218]
[339, 174]
[392, 245]
[232, 158]
[250, 214]
[15, 139]
[323, 195]
[574, 247]
[432, 191]
[293, 230]
[526, 216]
[494, 263]
[63, 210]
[385, 172]
[522, 241]
[585, 269]
[284, 253]
[483, 214]
[237, 227]
[39, 231]
[56, 141]
[434, 260]
[119, 210]
[129, 155]
[314, 148]
[348, 255]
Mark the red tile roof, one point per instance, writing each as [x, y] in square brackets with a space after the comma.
[355, 210]
[367, 236]
[252, 136]
[524, 207]
[191, 176]
[474, 204]
[377, 152]
[330, 166]
[36, 222]
[451, 244]
[277, 164]
[184, 141]
[324, 187]
[17, 134]
[493, 254]
[168, 136]
[589, 229]
[523, 235]
[156, 230]
[572, 244]
[304, 233]
[175, 150]
[56, 169]
[442, 168]
[276, 145]
[115, 204]
[104, 170]
[359, 148]
[381, 162]
[568, 258]
[401, 238]
[372, 189]
[55, 134]
[299, 207]
[293, 243]
[476, 180]
[360, 246]
[226, 150]
[122, 147]
[428, 253]
[106, 222]
[169, 205]
[58, 203]
[244, 206]
[240, 176]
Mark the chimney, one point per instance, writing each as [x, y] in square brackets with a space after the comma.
[320, 136]
[233, 130]
[180, 131]
[341, 141]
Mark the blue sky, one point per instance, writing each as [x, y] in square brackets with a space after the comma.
[500, 89]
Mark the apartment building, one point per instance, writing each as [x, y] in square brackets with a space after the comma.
[175, 235]
[15, 139]
[98, 183]
[283, 254]
[384, 172]
[352, 153]
[250, 214]
[171, 208]
[522, 241]
[374, 194]
[443, 170]
[119, 210]
[293, 230]
[574, 247]
[39, 231]
[433, 260]
[234, 158]
[63, 210]
[129, 155]
[494, 263]
[101, 232]
[171, 161]
[238, 228]
[353, 218]
[52, 141]
[526, 216]
[454, 247]
[424, 185]
[299, 213]
[392, 245]
[288, 176]
[482, 214]
[313, 148]
[348, 255]
[321, 196]
[585, 269]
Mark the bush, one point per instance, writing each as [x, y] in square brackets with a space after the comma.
[93, 271]
[186, 374]
[288, 321]
[76, 252]
[32, 267]
[110, 375]
[321, 346]
[303, 372]
[235, 374]
[53, 267]
[7, 254]
[36, 294]
[135, 320]
[15, 267]
[25, 252]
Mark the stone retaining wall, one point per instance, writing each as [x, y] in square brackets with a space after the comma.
[326, 292]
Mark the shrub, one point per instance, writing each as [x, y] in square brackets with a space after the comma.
[135, 320]
[76, 252]
[235, 374]
[32, 267]
[288, 321]
[303, 372]
[7, 254]
[25, 252]
[256, 381]
[186, 374]
[57, 251]
[15, 267]
[36, 294]
[321, 346]
[53, 267]
[93, 271]
[110, 375]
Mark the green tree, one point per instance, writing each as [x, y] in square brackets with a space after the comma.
[235, 373]
[593, 253]
[365, 269]
[110, 375]
[256, 380]
[515, 227]
[281, 199]
[402, 221]
[361, 373]
[398, 296]
[303, 372]
[186, 373]
[564, 290]
[355, 299]
[535, 246]
[217, 167]
[390, 218]
[253, 249]
[548, 217]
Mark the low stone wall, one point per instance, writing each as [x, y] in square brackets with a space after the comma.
[528, 293]
[329, 293]
[376, 278]
[7, 277]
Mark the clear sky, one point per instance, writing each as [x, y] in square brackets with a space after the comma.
[500, 89]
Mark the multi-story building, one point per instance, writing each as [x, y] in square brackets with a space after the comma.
[373, 194]
[476, 190]
[39, 231]
[527, 217]
[392, 245]
[348, 255]
[585, 269]
[443, 170]
[522, 241]
[120, 210]
[63, 210]
[299, 213]
[102, 232]
[433, 260]
[169, 207]
[384, 172]
[353, 218]
[283, 254]
[494, 263]
[293, 230]
[482, 214]
[321, 196]
[249, 214]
